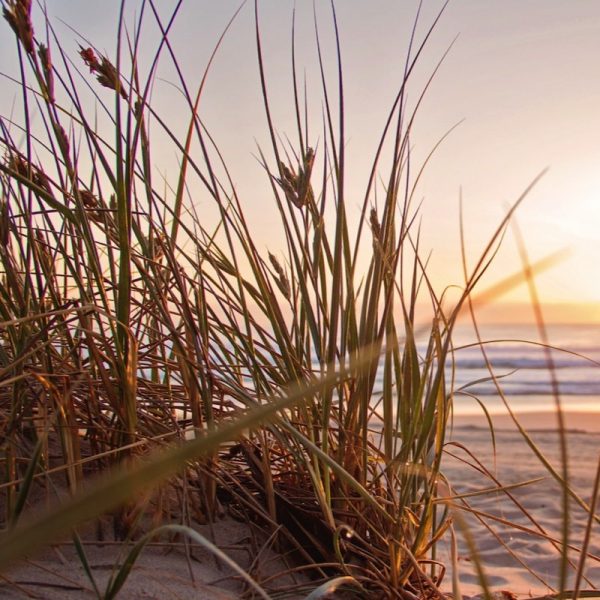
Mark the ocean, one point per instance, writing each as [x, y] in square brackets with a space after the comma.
[522, 368]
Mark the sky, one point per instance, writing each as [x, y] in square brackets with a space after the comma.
[521, 82]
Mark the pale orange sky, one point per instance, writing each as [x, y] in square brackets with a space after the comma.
[522, 76]
[521, 312]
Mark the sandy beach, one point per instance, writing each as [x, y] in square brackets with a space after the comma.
[522, 559]
[534, 565]
[164, 570]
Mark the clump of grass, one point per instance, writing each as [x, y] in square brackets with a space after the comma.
[128, 322]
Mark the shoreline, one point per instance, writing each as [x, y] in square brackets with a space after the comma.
[532, 421]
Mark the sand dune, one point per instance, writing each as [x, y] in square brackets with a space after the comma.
[532, 569]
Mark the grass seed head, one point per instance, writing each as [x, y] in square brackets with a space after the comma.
[61, 138]
[281, 280]
[18, 16]
[40, 179]
[375, 228]
[89, 58]
[88, 199]
[284, 286]
[19, 164]
[46, 61]
[43, 251]
[105, 71]
[278, 268]
[297, 187]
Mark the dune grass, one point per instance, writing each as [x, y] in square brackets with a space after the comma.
[130, 324]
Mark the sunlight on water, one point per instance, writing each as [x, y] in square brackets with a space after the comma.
[521, 368]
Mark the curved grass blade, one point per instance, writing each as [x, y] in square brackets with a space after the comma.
[26, 482]
[117, 582]
[85, 563]
[331, 586]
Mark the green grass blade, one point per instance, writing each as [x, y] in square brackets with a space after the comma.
[116, 583]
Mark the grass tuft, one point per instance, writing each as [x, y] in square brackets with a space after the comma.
[143, 344]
